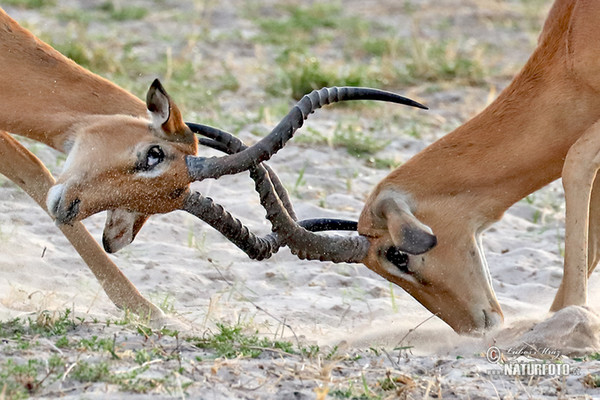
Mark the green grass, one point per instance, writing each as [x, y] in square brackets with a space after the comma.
[120, 12]
[166, 301]
[29, 4]
[98, 59]
[128, 381]
[357, 142]
[368, 53]
[300, 32]
[232, 342]
[435, 60]
[302, 25]
[26, 375]
[592, 381]
[300, 181]
[109, 57]
[106, 12]
[299, 74]
[46, 324]
[383, 163]
[21, 380]
[431, 61]
[390, 386]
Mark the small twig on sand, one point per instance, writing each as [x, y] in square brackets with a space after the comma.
[179, 387]
[144, 365]
[52, 346]
[411, 331]
[69, 368]
[394, 363]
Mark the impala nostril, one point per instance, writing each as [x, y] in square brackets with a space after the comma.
[55, 202]
[70, 213]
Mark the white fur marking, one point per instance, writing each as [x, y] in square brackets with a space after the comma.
[53, 198]
[153, 173]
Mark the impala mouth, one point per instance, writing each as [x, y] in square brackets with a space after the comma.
[491, 320]
[398, 258]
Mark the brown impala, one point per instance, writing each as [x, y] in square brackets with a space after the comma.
[544, 125]
[125, 156]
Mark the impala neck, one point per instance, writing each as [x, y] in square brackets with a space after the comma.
[512, 148]
[44, 94]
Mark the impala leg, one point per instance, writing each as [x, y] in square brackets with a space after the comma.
[594, 228]
[593, 253]
[26, 170]
[582, 203]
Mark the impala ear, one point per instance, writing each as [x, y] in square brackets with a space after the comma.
[166, 117]
[121, 228]
[408, 233]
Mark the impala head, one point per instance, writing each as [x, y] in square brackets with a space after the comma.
[451, 279]
[127, 163]
[136, 167]
[445, 272]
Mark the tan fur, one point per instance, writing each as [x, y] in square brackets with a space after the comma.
[465, 181]
[35, 180]
[104, 129]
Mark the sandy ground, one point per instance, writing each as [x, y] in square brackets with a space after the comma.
[180, 261]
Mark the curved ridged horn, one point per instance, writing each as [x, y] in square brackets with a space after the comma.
[227, 143]
[302, 242]
[298, 236]
[255, 247]
[200, 168]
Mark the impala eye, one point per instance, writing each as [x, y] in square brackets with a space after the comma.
[154, 156]
[398, 258]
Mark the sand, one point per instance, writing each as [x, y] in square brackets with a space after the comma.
[180, 261]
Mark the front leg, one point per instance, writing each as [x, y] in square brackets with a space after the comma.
[579, 175]
[22, 167]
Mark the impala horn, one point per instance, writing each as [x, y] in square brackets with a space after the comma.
[200, 168]
[301, 241]
[215, 215]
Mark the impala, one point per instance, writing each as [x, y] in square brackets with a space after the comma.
[544, 125]
[125, 156]
[47, 98]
